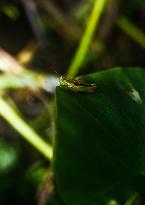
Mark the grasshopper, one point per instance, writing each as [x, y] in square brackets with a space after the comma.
[76, 85]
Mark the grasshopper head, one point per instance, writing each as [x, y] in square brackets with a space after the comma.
[62, 81]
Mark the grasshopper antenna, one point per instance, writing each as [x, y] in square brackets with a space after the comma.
[55, 72]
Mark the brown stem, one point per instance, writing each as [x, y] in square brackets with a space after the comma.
[65, 26]
[33, 17]
[109, 19]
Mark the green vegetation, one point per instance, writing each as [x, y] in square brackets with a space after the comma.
[81, 143]
[99, 155]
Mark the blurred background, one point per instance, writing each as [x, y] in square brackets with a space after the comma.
[38, 42]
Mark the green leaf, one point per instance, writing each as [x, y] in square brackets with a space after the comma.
[8, 157]
[132, 199]
[99, 151]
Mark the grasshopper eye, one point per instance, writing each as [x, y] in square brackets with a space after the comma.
[61, 79]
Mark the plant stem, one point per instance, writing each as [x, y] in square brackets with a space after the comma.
[132, 199]
[12, 117]
[134, 32]
[87, 37]
[67, 28]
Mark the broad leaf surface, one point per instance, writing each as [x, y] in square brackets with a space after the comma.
[100, 144]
